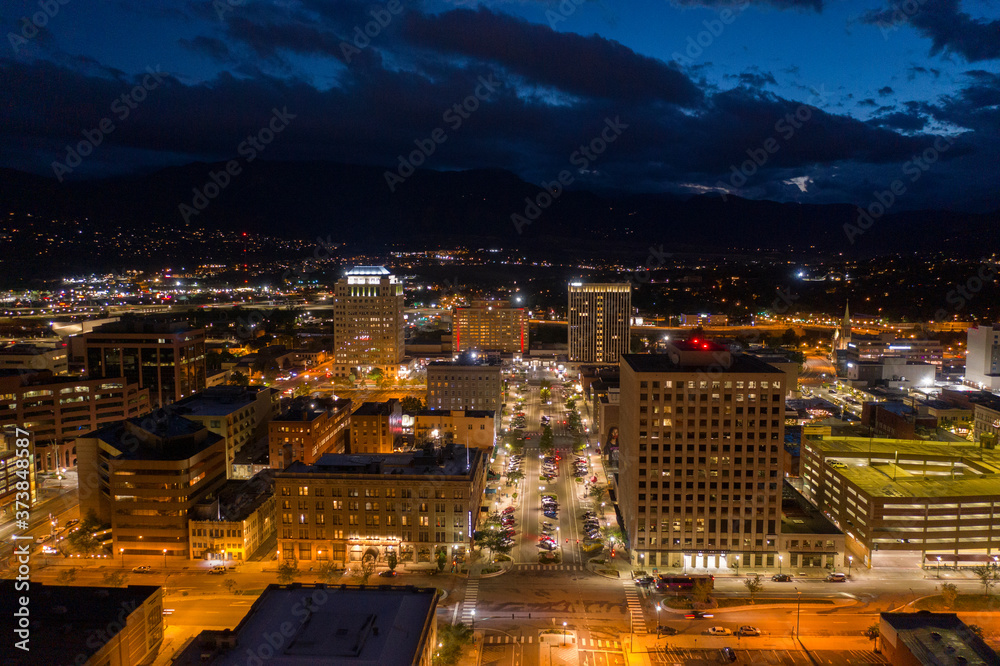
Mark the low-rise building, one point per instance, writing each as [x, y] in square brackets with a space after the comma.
[470, 428]
[907, 502]
[986, 419]
[252, 459]
[239, 414]
[469, 382]
[144, 475]
[377, 427]
[307, 430]
[86, 625]
[704, 320]
[235, 522]
[24, 357]
[58, 409]
[897, 420]
[346, 507]
[808, 538]
[327, 625]
[931, 639]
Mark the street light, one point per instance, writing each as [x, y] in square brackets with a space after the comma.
[164, 558]
[850, 563]
[473, 620]
[564, 634]
[737, 565]
[122, 551]
[939, 567]
[780, 560]
[798, 607]
[657, 619]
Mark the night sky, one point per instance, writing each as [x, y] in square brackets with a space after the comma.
[834, 98]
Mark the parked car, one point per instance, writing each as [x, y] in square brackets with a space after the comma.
[73, 523]
[747, 630]
[729, 653]
[836, 578]
[719, 631]
[781, 578]
[664, 630]
[218, 569]
[508, 510]
[142, 569]
[388, 574]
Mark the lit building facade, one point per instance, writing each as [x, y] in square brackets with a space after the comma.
[982, 363]
[368, 322]
[377, 427]
[305, 432]
[31, 357]
[464, 384]
[490, 326]
[236, 522]
[469, 428]
[599, 322]
[701, 457]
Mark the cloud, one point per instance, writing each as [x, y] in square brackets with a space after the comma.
[802, 5]
[950, 30]
[587, 66]
[885, 90]
[209, 46]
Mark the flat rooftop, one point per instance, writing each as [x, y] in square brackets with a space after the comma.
[219, 400]
[471, 413]
[149, 438]
[375, 408]
[321, 625]
[741, 363]
[940, 638]
[65, 619]
[798, 516]
[444, 462]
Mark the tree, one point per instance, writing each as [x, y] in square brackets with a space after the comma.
[754, 584]
[546, 442]
[545, 395]
[442, 559]
[66, 576]
[411, 404]
[789, 338]
[232, 586]
[596, 492]
[392, 560]
[367, 568]
[83, 539]
[976, 629]
[515, 476]
[701, 590]
[302, 390]
[949, 593]
[115, 578]
[237, 378]
[327, 571]
[287, 571]
[988, 576]
[452, 640]
[872, 633]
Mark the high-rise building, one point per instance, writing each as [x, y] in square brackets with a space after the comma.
[368, 323]
[982, 363]
[701, 457]
[464, 384]
[167, 357]
[490, 326]
[144, 475]
[599, 322]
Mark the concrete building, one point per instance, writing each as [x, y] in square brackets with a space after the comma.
[476, 428]
[861, 348]
[982, 363]
[377, 427]
[167, 357]
[235, 522]
[599, 322]
[328, 626]
[17, 471]
[807, 538]
[896, 373]
[86, 625]
[23, 357]
[238, 414]
[986, 420]
[368, 322]
[907, 502]
[897, 420]
[468, 383]
[58, 409]
[144, 475]
[931, 639]
[490, 326]
[703, 320]
[701, 457]
[252, 459]
[307, 430]
[787, 365]
[345, 507]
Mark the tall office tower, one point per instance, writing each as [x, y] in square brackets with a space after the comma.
[599, 317]
[167, 357]
[982, 364]
[701, 449]
[490, 326]
[368, 325]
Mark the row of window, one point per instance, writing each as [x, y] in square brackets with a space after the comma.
[405, 493]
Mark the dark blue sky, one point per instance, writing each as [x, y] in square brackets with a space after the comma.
[703, 86]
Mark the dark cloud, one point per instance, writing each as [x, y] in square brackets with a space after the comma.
[803, 5]
[913, 71]
[868, 102]
[886, 90]
[757, 79]
[588, 66]
[209, 46]
[903, 121]
[949, 29]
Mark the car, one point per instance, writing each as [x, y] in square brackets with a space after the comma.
[551, 514]
[73, 523]
[142, 569]
[836, 578]
[43, 538]
[645, 581]
[781, 578]
[747, 630]
[508, 510]
[729, 653]
[218, 569]
[546, 523]
[664, 630]
[388, 573]
[719, 631]
[697, 615]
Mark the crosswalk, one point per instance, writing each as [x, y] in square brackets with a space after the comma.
[583, 643]
[469, 605]
[550, 567]
[634, 607]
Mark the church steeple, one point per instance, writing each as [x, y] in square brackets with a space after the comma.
[845, 328]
